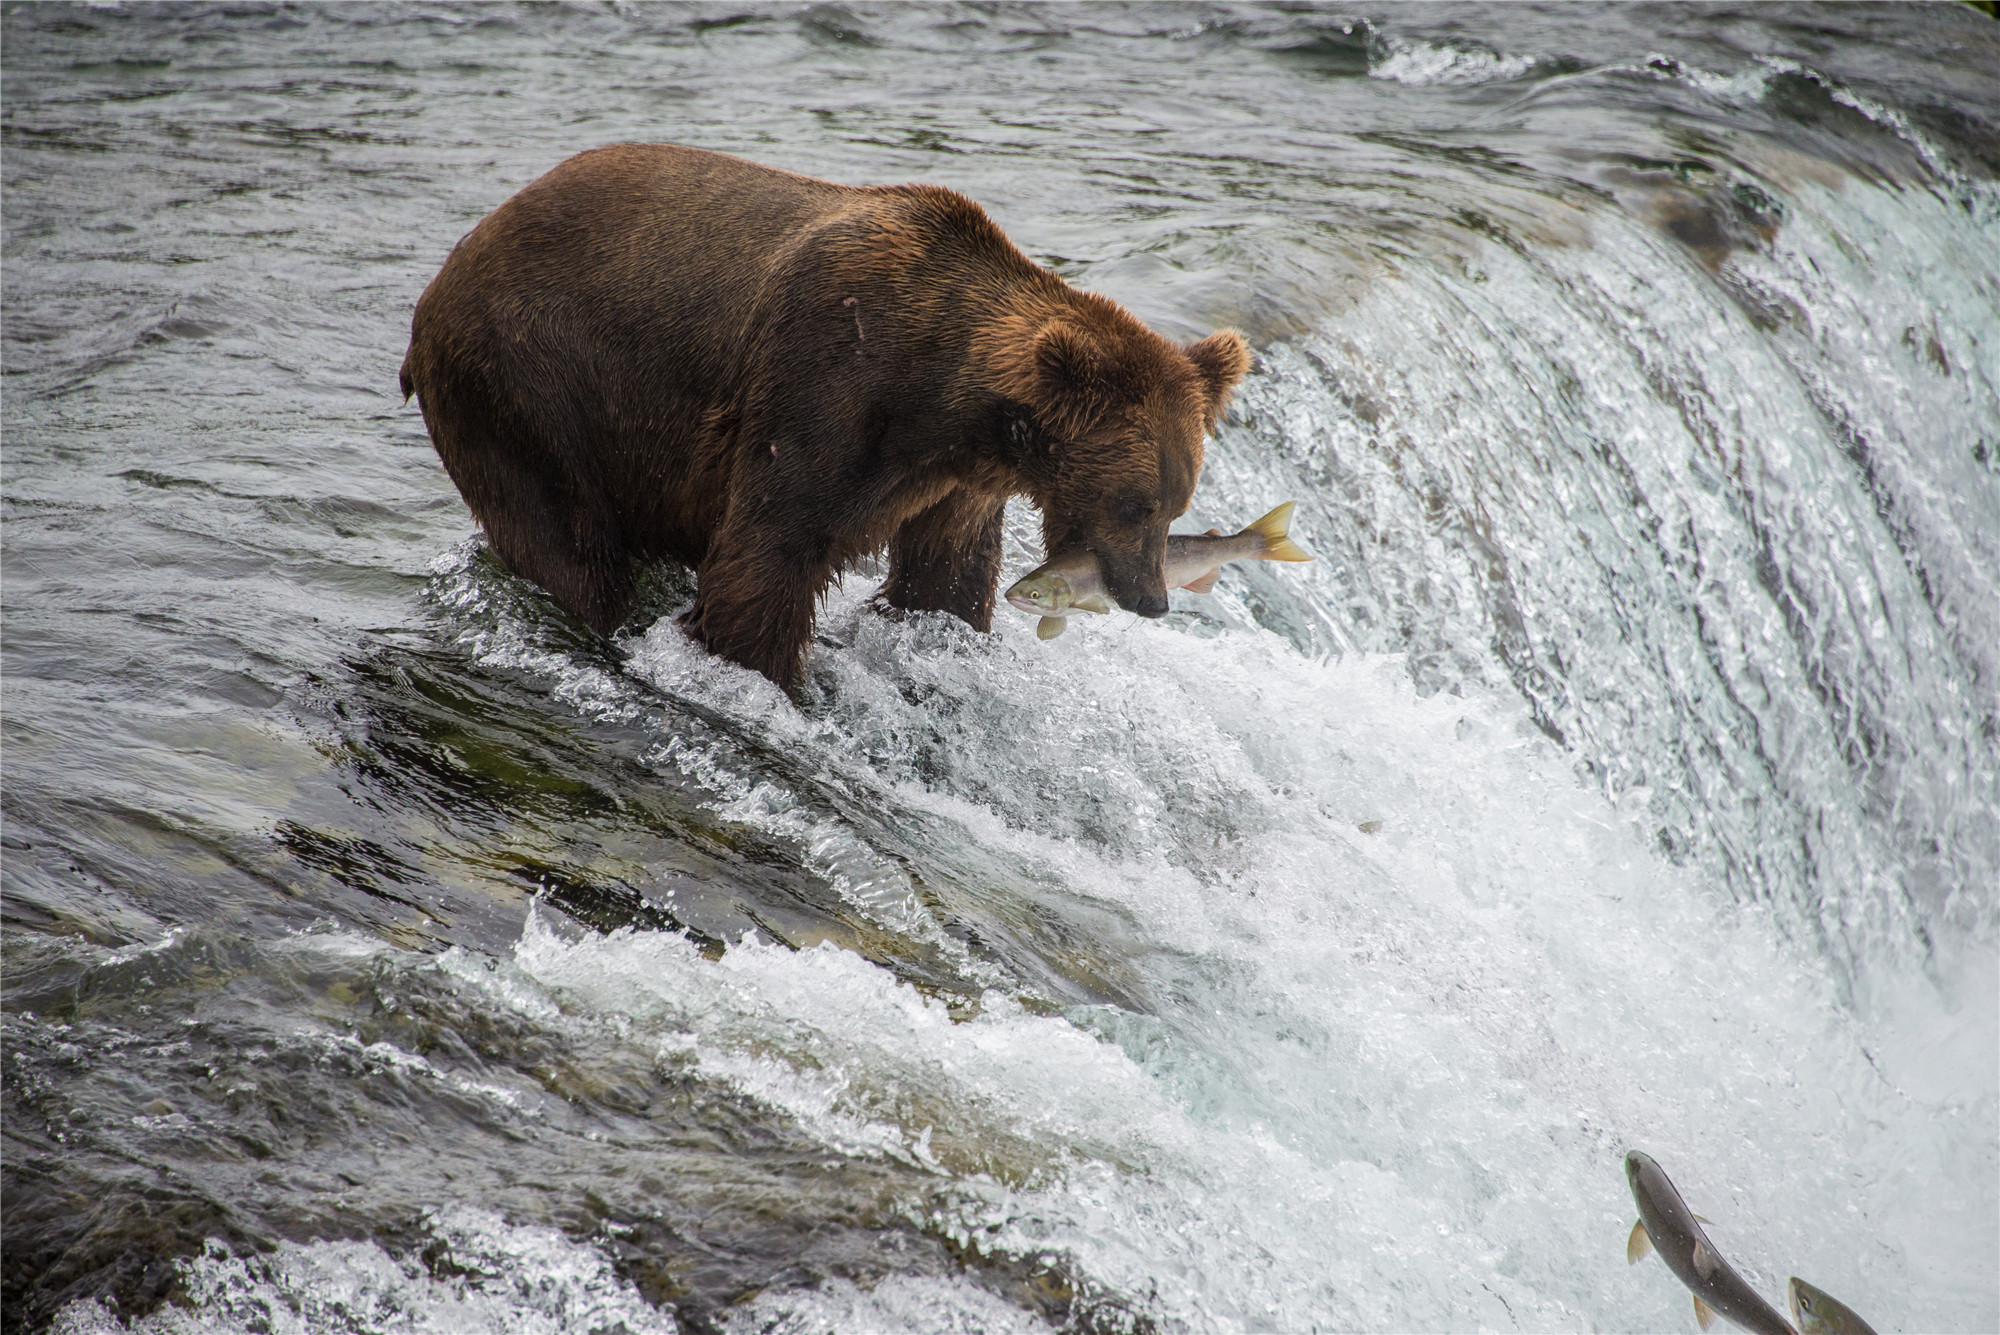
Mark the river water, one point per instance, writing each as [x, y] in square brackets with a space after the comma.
[384, 953]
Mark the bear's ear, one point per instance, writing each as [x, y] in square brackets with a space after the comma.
[1223, 360]
[1066, 376]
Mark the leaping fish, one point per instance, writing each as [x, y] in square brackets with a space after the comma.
[1821, 1313]
[1073, 583]
[1666, 1223]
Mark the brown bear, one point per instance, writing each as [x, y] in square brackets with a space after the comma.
[660, 351]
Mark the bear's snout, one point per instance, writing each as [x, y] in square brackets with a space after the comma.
[1136, 580]
[1140, 593]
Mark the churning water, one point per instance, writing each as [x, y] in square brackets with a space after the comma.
[383, 953]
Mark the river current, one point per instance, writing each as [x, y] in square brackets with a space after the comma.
[383, 952]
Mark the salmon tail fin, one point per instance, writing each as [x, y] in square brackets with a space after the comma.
[1638, 1244]
[1050, 627]
[1205, 583]
[1272, 529]
[1704, 1315]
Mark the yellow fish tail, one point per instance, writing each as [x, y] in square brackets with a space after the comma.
[1272, 529]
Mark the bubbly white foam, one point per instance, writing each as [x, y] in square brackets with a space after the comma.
[1419, 63]
[898, 1305]
[1374, 1079]
[503, 1278]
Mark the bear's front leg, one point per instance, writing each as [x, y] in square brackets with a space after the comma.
[947, 558]
[756, 597]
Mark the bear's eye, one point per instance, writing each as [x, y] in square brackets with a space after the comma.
[1133, 510]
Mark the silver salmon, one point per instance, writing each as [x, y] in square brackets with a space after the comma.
[1666, 1223]
[1073, 583]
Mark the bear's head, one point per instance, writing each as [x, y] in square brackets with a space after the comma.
[1118, 419]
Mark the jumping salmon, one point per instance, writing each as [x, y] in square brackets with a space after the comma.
[1073, 583]
[1666, 1223]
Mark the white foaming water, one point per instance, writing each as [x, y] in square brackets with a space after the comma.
[502, 1279]
[898, 1305]
[506, 1279]
[1553, 464]
[1419, 63]
[1373, 1078]
[1377, 1079]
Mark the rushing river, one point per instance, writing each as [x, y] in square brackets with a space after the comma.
[383, 952]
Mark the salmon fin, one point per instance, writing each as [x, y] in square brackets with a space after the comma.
[1094, 603]
[1205, 583]
[1050, 627]
[1706, 1262]
[1638, 1244]
[1704, 1315]
[1272, 529]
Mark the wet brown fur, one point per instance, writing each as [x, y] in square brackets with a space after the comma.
[656, 351]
